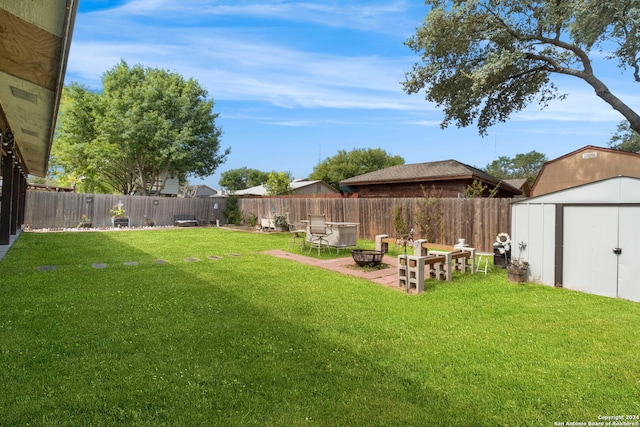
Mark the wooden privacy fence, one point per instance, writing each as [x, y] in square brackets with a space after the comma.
[478, 220]
[65, 210]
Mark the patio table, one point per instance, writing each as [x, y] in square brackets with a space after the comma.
[343, 234]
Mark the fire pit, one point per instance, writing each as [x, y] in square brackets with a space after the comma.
[364, 257]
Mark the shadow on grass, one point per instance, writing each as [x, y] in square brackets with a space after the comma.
[240, 340]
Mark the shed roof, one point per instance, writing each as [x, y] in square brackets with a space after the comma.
[615, 190]
[623, 163]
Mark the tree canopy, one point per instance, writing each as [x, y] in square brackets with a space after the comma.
[486, 59]
[145, 126]
[523, 165]
[345, 164]
[242, 178]
[625, 139]
[278, 183]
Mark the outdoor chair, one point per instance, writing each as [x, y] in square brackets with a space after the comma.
[318, 232]
[298, 232]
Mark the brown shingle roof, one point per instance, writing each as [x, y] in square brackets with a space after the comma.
[444, 169]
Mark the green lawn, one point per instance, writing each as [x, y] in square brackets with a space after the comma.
[253, 340]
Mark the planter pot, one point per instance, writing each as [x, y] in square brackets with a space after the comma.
[119, 222]
[501, 259]
[515, 275]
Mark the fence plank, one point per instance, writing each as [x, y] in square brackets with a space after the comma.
[65, 210]
[478, 221]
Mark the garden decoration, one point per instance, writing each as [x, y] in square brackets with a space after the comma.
[406, 239]
[502, 250]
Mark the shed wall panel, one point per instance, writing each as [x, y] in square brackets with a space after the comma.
[535, 226]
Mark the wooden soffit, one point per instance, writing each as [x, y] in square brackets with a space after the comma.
[35, 36]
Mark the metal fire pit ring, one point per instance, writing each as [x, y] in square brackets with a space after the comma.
[366, 257]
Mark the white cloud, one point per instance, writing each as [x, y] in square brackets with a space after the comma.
[371, 16]
[235, 66]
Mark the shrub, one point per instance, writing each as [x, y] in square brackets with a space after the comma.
[232, 212]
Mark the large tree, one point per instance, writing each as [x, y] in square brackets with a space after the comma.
[241, 178]
[485, 59]
[523, 165]
[345, 164]
[146, 125]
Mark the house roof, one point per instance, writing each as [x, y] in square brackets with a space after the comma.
[36, 36]
[518, 183]
[521, 184]
[260, 190]
[429, 171]
[200, 189]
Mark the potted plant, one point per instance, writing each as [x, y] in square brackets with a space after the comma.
[85, 222]
[280, 223]
[517, 268]
[117, 216]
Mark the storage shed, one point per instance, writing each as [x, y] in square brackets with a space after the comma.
[585, 238]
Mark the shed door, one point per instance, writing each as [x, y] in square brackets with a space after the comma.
[629, 259]
[590, 234]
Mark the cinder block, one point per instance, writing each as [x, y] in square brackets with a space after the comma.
[411, 273]
[380, 245]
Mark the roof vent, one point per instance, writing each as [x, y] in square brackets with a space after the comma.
[23, 94]
[590, 155]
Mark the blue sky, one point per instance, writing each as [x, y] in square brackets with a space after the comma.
[296, 81]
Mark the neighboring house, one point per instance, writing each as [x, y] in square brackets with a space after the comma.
[585, 238]
[448, 176]
[164, 185]
[201, 191]
[299, 186]
[588, 164]
[521, 184]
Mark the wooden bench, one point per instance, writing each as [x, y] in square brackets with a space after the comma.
[185, 220]
[436, 266]
[455, 257]
[460, 257]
